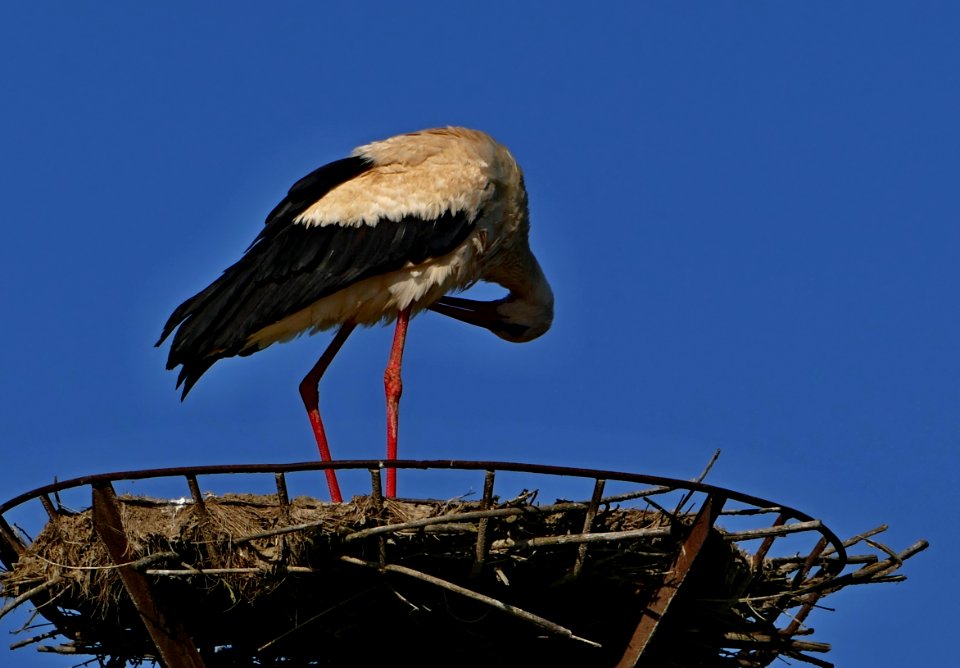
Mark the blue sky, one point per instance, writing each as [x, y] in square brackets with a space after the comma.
[748, 213]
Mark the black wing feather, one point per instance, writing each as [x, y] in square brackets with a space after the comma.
[304, 193]
[290, 266]
[301, 196]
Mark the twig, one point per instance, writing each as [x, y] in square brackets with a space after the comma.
[450, 528]
[671, 516]
[699, 479]
[460, 517]
[27, 595]
[797, 559]
[893, 562]
[59, 649]
[856, 539]
[315, 617]
[760, 638]
[279, 531]
[30, 641]
[751, 511]
[864, 575]
[781, 530]
[139, 563]
[476, 596]
[580, 538]
[617, 498]
[483, 525]
[177, 572]
[883, 548]
[588, 518]
[452, 517]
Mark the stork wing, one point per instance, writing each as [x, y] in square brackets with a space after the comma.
[290, 265]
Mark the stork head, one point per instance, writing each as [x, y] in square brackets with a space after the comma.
[523, 315]
[513, 318]
[520, 320]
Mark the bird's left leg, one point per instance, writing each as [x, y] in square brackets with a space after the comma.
[310, 393]
[394, 388]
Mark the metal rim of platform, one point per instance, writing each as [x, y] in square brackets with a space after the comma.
[192, 472]
[787, 520]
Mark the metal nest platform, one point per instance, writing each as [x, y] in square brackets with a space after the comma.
[640, 571]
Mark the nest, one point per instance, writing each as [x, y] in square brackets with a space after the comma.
[260, 582]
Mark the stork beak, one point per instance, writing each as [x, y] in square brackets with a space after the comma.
[470, 311]
[482, 314]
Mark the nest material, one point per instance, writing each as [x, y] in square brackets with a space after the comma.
[311, 583]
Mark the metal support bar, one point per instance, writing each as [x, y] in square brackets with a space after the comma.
[209, 539]
[282, 496]
[598, 486]
[197, 496]
[655, 612]
[376, 493]
[810, 600]
[481, 546]
[173, 643]
[10, 546]
[761, 552]
[809, 562]
[48, 506]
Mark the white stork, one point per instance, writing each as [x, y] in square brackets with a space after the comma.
[376, 237]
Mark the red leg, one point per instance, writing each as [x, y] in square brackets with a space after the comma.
[310, 393]
[394, 388]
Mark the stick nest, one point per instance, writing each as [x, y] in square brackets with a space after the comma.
[259, 583]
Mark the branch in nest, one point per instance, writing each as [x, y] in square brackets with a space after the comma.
[780, 530]
[462, 517]
[27, 595]
[573, 539]
[476, 596]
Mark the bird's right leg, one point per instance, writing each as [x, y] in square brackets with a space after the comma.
[310, 393]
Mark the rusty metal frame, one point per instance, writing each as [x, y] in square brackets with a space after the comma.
[588, 518]
[480, 549]
[656, 611]
[10, 546]
[171, 639]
